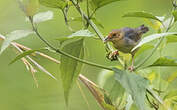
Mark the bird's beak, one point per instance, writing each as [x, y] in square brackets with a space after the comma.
[106, 39]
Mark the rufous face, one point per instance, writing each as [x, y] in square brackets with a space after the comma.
[115, 35]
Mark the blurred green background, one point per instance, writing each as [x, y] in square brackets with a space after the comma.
[17, 88]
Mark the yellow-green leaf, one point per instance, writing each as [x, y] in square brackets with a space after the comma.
[172, 77]
[175, 15]
[165, 61]
[54, 3]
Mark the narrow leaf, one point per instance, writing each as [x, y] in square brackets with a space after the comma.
[165, 61]
[152, 37]
[141, 15]
[82, 33]
[15, 35]
[23, 55]
[43, 16]
[54, 3]
[135, 85]
[100, 3]
[175, 15]
[70, 68]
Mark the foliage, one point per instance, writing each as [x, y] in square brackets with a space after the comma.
[130, 87]
[70, 69]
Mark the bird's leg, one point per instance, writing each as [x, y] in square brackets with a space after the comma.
[113, 55]
[131, 68]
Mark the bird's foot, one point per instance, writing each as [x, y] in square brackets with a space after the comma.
[113, 55]
[131, 68]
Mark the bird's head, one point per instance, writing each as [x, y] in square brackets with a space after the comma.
[115, 35]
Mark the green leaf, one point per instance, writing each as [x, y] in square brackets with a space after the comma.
[129, 102]
[15, 35]
[98, 23]
[82, 33]
[30, 7]
[172, 77]
[69, 68]
[54, 3]
[135, 85]
[116, 91]
[151, 38]
[23, 55]
[171, 39]
[96, 4]
[43, 16]
[141, 15]
[143, 49]
[171, 95]
[165, 61]
[175, 15]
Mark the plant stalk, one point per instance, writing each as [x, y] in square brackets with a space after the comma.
[64, 53]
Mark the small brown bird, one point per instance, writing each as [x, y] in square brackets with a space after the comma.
[126, 39]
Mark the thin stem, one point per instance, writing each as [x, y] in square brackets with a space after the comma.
[64, 53]
[97, 31]
[94, 27]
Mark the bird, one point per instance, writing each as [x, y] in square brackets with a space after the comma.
[125, 39]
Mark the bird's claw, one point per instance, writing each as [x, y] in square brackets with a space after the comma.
[113, 55]
[131, 68]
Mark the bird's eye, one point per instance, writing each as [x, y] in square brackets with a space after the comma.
[114, 35]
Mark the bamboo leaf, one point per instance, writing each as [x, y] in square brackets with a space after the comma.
[15, 35]
[23, 55]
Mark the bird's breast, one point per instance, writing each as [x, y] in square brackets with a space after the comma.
[124, 45]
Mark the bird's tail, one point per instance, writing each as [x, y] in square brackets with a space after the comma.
[142, 29]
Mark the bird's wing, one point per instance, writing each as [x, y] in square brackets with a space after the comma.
[131, 34]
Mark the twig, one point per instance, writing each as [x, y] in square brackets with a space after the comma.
[94, 27]
[64, 53]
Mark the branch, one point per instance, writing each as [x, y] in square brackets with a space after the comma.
[64, 53]
[94, 27]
